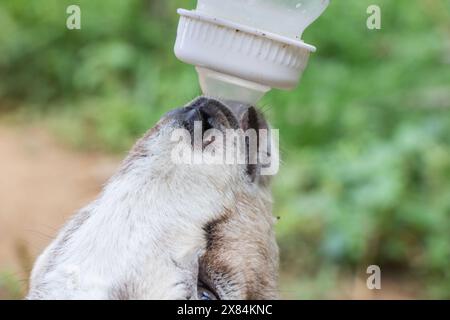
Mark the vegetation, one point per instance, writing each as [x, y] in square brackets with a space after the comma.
[365, 138]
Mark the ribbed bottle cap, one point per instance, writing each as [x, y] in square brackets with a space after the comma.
[237, 60]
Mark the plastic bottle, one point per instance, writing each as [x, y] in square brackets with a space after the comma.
[243, 48]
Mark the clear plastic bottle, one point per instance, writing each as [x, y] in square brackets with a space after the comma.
[288, 18]
[243, 48]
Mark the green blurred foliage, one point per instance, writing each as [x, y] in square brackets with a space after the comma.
[365, 138]
[10, 286]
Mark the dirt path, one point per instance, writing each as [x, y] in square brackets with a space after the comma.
[41, 184]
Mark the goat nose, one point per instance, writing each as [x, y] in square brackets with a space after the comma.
[211, 114]
[189, 116]
[192, 115]
[215, 114]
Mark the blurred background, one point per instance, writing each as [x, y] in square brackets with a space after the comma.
[365, 138]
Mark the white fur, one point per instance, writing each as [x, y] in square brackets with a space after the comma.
[145, 226]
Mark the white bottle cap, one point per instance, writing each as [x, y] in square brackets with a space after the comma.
[238, 62]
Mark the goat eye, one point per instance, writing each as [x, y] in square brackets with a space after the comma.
[205, 294]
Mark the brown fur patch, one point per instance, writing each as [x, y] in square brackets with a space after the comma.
[241, 259]
[212, 229]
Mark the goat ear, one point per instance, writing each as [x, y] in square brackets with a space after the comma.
[249, 121]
